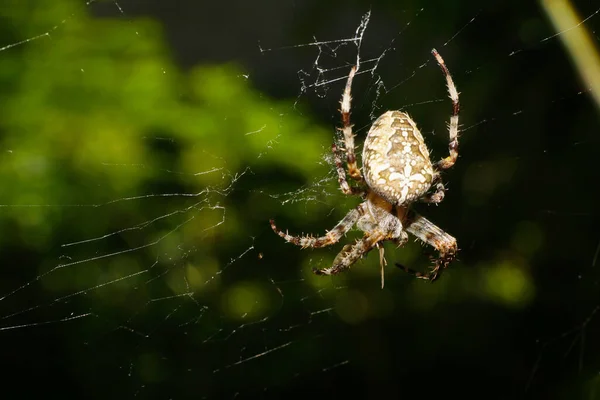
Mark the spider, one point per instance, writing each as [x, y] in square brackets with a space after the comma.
[396, 172]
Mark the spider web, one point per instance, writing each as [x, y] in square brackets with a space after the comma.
[145, 149]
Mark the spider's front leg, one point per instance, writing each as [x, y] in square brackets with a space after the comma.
[331, 237]
[379, 225]
[431, 234]
[351, 253]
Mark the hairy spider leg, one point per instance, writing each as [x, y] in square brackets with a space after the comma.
[449, 161]
[339, 166]
[431, 234]
[439, 193]
[351, 253]
[353, 169]
[331, 237]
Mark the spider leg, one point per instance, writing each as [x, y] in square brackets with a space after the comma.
[431, 234]
[427, 276]
[353, 170]
[339, 166]
[331, 237]
[449, 161]
[352, 253]
[438, 195]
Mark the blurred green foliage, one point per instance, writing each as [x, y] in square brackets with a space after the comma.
[95, 111]
[102, 138]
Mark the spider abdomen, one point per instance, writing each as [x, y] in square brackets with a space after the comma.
[396, 162]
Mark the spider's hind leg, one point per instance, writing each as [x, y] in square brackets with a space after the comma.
[449, 161]
[346, 129]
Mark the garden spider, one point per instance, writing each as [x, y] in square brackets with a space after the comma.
[397, 172]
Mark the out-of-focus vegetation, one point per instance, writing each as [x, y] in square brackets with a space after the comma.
[101, 134]
[95, 111]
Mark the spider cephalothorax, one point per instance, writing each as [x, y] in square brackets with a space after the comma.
[397, 172]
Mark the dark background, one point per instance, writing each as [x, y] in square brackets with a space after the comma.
[108, 118]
